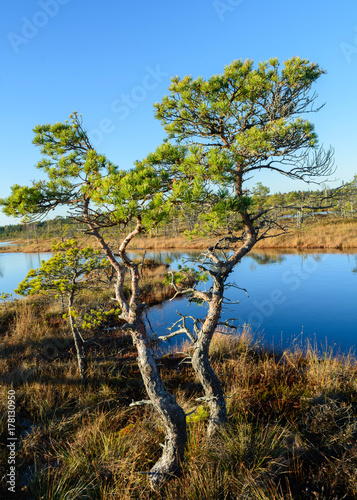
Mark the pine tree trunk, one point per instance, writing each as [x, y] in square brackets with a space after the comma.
[80, 351]
[200, 360]
[172, 415]
[211, 386]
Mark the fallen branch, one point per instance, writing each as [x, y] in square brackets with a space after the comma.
[140, 403]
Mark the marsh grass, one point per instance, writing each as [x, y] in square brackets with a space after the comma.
[291, 432]
[328, 233]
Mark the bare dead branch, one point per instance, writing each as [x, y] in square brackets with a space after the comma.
[140, 403]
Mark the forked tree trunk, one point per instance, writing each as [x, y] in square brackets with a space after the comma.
[212, 387]
[172, 415]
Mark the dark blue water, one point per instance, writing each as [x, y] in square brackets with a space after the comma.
[292, 299]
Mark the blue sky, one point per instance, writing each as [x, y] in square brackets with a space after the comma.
[111, 60]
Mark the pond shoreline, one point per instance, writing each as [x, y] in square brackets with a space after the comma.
[328, 235]
[290, 293]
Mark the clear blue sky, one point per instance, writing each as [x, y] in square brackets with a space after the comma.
[111, 60]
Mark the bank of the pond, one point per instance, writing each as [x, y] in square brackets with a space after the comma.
[328, 234]
[292, 295]
[291, 430]
[15, 266]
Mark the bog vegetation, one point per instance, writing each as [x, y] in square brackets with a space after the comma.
[236, 409]
[291, 430]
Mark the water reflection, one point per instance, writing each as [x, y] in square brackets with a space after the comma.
[15, 266]
[291, 296]
[165, 257]
[7, 244]
[354, 270]
[265, 258]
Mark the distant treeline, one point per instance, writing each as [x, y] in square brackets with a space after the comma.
[53, 228]
[336, 202]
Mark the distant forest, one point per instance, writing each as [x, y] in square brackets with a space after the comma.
[340, 202]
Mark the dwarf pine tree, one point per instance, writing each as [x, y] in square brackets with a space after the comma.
[221, 132]
[100, 196]
[71, 270]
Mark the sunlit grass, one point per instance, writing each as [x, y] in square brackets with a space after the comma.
[330, 233]
[291, 430]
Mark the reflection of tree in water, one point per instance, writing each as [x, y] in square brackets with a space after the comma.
[33, 260]
[164, 257]
[263, 258]
[354, 270]
[314, 256]
[1, 273]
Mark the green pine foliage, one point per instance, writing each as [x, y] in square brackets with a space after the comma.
[71, 269]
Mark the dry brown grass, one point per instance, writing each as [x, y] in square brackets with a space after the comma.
[153, 289]
[291, 432]
[21, 245]
[328, 234]
[338, 234]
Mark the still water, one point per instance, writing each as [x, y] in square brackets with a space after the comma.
[291, 298]
[15, 266]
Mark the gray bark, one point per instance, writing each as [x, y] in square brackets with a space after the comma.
[212, 387]
[80, 350]
[172, 415]
[200, 360]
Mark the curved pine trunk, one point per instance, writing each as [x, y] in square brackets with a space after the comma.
[200, 359]
[172, 415]
[211, 386]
